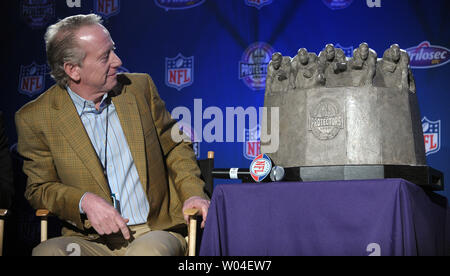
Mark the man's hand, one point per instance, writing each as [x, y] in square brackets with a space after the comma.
[103, 217]
[198, 203]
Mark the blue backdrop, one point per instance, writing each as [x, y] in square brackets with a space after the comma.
[197, 51]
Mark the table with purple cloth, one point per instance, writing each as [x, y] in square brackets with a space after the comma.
[357, 217]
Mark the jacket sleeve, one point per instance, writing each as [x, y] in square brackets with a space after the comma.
[44, 189]
[179, 156]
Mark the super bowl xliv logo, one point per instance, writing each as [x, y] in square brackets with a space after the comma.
[337, 4]
[179, 71]
[252, 143]
[37, 14]
[107, 8]
[178, 4]
[431, 135]
[253, 65]
[426, 55]
[32, 79]
[257, 3]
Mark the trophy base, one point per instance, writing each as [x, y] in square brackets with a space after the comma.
[423, 176]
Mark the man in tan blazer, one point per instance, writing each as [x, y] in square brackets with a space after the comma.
[66, 166]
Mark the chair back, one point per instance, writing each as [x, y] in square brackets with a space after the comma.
[206, 168]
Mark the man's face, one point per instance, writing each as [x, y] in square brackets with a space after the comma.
[99, 70]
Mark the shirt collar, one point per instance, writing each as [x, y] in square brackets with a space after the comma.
[83, 105]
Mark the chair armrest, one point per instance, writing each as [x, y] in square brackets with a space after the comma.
[210, 154]
[42, 213]
[191, 212]
[192, 229]
[3, 212]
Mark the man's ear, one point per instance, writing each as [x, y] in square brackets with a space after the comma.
[73, 71]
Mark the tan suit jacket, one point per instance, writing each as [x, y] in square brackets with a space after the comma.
[61, 163]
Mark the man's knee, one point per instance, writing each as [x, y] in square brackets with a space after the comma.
[52, 247]
[157, 243]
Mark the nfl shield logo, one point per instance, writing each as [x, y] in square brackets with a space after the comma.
[32, 79]
[260, 167]
[431, 135]
[107, 8]
[179, 71]
[252, 143]
[257, 3]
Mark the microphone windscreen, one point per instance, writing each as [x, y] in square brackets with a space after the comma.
[277, 173]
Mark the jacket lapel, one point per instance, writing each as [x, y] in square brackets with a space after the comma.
[69, 124]
[130, 120]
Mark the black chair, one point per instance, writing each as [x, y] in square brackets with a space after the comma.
[206, 169]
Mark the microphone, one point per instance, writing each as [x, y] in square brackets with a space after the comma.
[236, 173]
[233, 173]
[277, 174]
[261, 167]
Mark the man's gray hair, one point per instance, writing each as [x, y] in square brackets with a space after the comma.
[62, 46]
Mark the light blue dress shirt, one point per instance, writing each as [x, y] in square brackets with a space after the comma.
[121, 171]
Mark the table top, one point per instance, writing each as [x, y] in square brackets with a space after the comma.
[357, 217]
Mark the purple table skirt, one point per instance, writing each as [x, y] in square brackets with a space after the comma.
[368, 217]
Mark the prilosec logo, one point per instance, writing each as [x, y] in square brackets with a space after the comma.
[178, 4]
[253, 65]
[426, 55]
[260, 167]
